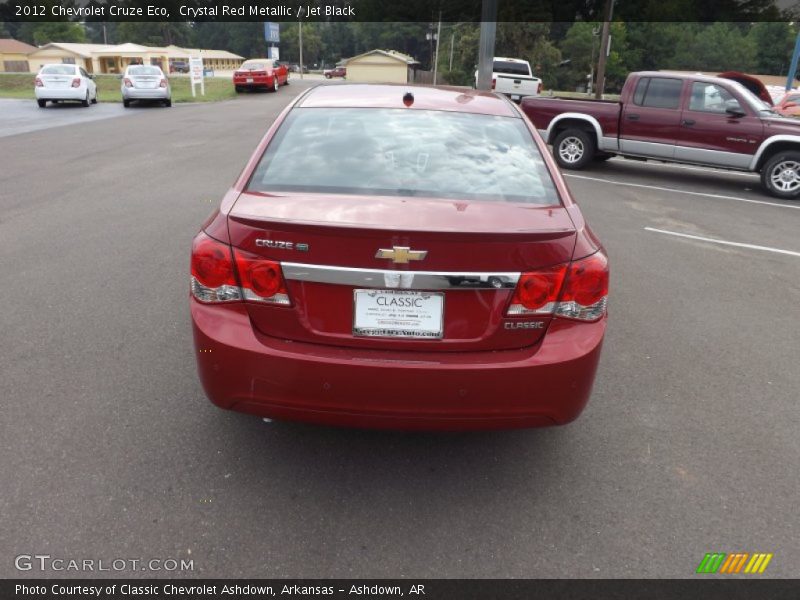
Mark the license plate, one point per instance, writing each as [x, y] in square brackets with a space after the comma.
[515, 96]
[398, 314]
[249, 80]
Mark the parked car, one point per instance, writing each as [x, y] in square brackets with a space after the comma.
[514, 78]
[145, 82]
[59, 83]
[260, 73]
[179, 66]
[399, 256]
[789, 105]
[674, 117]
[335, 72]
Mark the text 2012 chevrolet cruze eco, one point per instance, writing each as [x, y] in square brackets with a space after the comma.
[400, 257]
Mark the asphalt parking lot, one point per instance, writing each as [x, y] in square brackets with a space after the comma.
[110, 450]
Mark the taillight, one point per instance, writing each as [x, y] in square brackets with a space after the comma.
[76, 82]
[578, 290]
[163, 83]
[494, 82]
[537, 292]
[585, 293]
[38, 82]
[213, 279]
[262, 279]
[539, 88]
[127, 82]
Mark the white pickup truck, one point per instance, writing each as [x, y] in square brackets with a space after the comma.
[513, 77]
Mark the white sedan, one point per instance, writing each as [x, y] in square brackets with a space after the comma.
[64, 82]
[145, 82]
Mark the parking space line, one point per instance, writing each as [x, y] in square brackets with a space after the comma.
[724, 242]
[677, 191]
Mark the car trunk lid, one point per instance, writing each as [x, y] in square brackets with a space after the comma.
[469, 255]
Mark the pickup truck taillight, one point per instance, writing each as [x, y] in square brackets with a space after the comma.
[215, 267]
[539, 88]
[578, 290]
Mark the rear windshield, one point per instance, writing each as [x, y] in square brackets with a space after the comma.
[144, 71]
[59, 70]
[254, 66]
[400, 152]
[511, 68]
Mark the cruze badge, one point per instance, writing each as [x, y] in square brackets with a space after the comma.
[281, 245]
[401, 254]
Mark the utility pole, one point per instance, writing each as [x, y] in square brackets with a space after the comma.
[300, 34]
[436, 60]
[793, 66]
[486, 45]
[605, 48]
[452, 40]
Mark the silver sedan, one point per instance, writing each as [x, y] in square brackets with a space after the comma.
[145, 82]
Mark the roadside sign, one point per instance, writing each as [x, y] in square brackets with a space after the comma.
[272, 33]
[196, 74]
[274, 54]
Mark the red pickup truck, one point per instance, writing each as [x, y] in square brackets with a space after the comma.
[692, 119]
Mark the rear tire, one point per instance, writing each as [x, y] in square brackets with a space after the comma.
[780, 175]
[573, 149]
[327, 75]
[41, 103]
[94, 100]
[168, 102]
[275, 84]
[126, 103]
[239, 90]
[85, 101]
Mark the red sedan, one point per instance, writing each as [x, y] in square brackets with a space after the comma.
[260, 73]
[400, 257]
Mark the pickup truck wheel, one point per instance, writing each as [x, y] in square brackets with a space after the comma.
[781, 175]
[573, 149]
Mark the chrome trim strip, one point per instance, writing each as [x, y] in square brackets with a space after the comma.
[388, 279]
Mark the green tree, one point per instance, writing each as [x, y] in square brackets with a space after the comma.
[774, 43]
[40, 33]
[154, 33]
[716, 47]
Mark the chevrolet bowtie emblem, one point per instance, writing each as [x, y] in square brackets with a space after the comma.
[401, 254]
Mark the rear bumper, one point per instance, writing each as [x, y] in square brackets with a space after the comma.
[258, 82]
[145, 94]
[70, 93]
[546, 384]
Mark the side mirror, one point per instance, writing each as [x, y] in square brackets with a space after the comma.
[734, 112]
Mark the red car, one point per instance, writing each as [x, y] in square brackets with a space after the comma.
[260, 73]
[335, 72]
[789, 105]
[400, 257]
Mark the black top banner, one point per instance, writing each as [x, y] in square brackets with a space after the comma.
[422, 589]
[393, 11]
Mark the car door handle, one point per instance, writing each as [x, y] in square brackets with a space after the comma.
[689, 122]
[633, 117]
